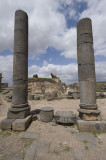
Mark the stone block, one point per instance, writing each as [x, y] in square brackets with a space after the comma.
[18, 113]
[90, 115]
[31, 97]
[91, 126]
[36, 98]
[65, 117]
[21, 124]
[6, 124]
[46, 114]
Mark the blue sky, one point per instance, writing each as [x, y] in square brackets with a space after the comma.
[52, 36]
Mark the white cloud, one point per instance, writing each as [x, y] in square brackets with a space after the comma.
[100, 68]
[45, 63]
[96, 10]
[47, 25]
[6, 68]
[67, 73]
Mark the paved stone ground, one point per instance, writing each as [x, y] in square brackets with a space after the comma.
[47, 141]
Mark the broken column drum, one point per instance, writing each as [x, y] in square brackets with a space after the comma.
[86, 71]
[20, 108]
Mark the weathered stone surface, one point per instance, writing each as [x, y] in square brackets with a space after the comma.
[20, 63]
[31, 97]
[36, 98]
[30, 135]
[87, 92]
[84, 53]
[17, 157]
[21, 124]
[93, 126]
[46, 114]
[88, 106]
[9, 100]
[49, 99]
[84, 26]
[86, 71]
[35, 76]
[87, 111]
[30, 154]
[102, 95]
[65, 117]
[90, 115]
[6, 124]
[18, 113]
[43, 147]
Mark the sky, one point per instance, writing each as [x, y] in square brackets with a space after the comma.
[53, 37]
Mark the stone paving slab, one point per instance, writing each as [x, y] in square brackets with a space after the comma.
[17, 157]
[30, 154]
[81, 136]
[37, 148]
[43, 147]
[30, 135]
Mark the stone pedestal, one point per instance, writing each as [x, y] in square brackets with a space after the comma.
[20, 108]
[86, 71]
[46, 114]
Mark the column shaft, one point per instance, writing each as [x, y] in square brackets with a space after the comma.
[20, 66]
[86, 69]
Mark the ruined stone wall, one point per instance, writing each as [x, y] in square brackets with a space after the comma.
[45, 85]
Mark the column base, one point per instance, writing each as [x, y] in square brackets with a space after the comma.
[91, 126]
[90, 115]
[18, 112]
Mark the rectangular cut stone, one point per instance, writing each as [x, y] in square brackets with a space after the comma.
[18, 115]
[6, 124]
[92, 126]
[30, 154]
[21, 124]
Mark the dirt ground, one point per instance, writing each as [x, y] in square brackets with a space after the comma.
[66, 142]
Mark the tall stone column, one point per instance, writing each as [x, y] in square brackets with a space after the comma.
[20, 108]
[86, 71]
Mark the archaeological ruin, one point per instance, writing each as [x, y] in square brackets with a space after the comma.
[38, 86]
[19, 114]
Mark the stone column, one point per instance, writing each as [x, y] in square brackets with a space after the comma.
[86, 71]
[20, 108]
